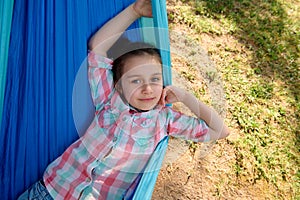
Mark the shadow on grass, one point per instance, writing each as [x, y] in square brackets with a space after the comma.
[265, 28]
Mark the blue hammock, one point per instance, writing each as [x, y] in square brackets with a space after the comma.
[43, 44]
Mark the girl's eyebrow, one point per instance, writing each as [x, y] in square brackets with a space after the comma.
[133, 76]
[137, 75]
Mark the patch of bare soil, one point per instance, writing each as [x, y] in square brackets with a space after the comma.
[194, 173]
[203, 171]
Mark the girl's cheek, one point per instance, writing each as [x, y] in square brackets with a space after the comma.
[131, 91]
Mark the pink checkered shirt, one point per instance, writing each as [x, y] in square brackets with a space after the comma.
[108, 160]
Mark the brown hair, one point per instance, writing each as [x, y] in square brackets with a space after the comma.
[127, 50]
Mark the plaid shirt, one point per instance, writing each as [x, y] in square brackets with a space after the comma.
[108, 160]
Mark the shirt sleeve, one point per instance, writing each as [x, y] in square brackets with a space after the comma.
[100, 79]
[186, 127]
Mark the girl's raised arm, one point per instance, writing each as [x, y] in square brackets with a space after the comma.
[109, 33]
[217, 127]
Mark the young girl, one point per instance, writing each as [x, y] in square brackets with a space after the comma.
[130, 120]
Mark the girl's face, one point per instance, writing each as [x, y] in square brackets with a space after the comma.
[142, 82]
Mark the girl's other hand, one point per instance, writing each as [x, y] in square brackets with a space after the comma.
[143, 8]
[172, 94]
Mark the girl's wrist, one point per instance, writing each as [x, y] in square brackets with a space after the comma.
[134, 11]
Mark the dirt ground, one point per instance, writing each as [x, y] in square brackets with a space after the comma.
[206, 170]
[189, 174]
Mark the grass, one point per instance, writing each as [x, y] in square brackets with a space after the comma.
[259, 65]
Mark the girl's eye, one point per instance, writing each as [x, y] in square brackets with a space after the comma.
[155, 79]
[136, 81]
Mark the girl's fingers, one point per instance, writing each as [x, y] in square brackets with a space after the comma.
[168, 96]
[143, 8]
[164, 95]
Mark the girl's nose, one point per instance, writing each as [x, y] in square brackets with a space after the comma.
[147, 88]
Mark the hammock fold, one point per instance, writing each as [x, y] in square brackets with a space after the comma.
[6, 8]
[47, 46]
[146, 185]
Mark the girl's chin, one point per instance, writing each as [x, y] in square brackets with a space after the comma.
[145, 107]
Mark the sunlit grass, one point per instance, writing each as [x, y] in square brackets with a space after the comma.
[260, 70]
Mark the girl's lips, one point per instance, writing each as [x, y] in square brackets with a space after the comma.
[147, 99]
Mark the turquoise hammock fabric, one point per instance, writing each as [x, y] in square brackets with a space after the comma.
[160, 22]
[6, 8]
[48, 44]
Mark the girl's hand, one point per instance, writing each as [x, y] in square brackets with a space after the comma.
[172, 94]
[143, 8]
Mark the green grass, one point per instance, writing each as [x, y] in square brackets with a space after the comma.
[261, 82]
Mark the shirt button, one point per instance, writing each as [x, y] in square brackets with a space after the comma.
[88, 179]
[115, 139]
